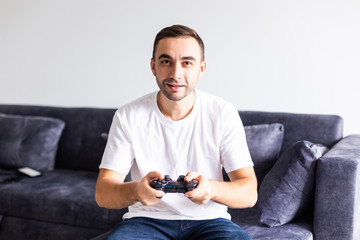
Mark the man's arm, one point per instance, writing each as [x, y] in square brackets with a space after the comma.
[241, 192]
[113, 193]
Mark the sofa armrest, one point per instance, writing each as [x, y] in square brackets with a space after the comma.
[337, 194]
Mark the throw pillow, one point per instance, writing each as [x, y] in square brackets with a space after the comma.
[28, 141]
[289, 186]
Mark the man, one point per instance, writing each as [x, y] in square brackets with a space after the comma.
[176, 131]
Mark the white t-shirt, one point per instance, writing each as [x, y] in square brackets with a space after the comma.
[141, 139]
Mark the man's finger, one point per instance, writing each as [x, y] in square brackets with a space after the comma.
[155, 174]
[191, 175]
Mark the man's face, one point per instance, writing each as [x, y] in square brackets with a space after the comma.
[177, 66]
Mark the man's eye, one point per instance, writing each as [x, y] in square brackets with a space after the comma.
[165, 62]
[188, 63]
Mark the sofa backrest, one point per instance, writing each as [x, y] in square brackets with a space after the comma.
[81, 145]
[316, 128]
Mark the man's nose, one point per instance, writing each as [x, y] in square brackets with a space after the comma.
[176, 72]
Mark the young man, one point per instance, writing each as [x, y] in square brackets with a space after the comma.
[176, 131]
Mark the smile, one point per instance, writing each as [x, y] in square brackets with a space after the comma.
[174, 87]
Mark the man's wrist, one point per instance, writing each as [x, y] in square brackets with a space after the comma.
[128, 192]
[216, 191]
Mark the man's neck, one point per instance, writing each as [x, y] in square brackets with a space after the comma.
[176, 110]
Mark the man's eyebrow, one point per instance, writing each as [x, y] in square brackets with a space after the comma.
[188, 58]
[164, 56]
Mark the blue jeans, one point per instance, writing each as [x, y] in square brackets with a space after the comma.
[148, 228]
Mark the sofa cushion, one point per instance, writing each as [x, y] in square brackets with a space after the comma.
[28, 141]
[13, 228]
[264, 142]
[247, 219]
[60, 196]
[289, 186]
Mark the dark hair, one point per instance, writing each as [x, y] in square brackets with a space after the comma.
[179, 31]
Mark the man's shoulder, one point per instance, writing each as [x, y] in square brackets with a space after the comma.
[145, 102]
[140, 106]
[215, 103]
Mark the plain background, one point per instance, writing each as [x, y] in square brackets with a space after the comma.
[282, 55]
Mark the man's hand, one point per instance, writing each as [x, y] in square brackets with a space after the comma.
[202, 193]
[113, 193]
[146, 194]
[241, 192]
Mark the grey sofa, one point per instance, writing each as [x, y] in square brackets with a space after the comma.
[60, 204]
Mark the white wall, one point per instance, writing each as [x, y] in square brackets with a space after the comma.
[281, 55]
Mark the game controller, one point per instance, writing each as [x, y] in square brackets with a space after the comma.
[169, 186]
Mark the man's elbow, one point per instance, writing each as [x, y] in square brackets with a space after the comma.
[253, 199]
[99, 196]
[252, 195]
[98, 199]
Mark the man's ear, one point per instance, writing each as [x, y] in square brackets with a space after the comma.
[152, 65]
[202, 67]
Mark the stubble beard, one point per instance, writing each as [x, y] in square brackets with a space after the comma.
[172, 96]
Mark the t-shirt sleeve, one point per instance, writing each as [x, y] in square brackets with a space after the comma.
[233, 149]
[118, 155]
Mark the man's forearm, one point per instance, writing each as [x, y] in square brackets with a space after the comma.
[241, 193]
[113, 195]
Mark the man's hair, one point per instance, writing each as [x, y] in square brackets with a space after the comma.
[177, 31]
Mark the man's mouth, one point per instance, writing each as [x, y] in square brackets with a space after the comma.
[175, 86]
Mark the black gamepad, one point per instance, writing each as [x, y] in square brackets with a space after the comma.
[169, 186]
